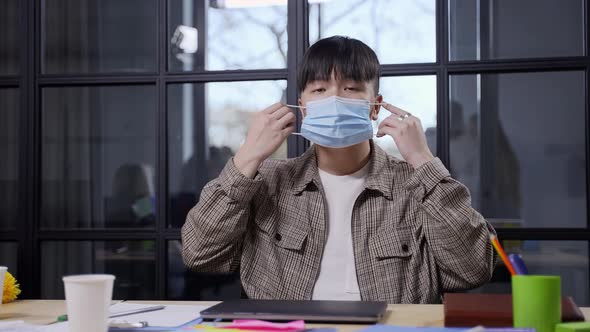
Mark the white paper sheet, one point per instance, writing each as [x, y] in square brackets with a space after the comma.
[170, 316]
[126, 306]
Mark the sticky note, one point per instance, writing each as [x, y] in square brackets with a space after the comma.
[260, 325]
[573, 327]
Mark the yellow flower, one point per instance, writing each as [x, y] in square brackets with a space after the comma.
[11, 289]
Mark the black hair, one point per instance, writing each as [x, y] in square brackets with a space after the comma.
[348, 58]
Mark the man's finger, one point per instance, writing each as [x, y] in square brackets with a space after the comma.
[387, 131]
[288, 130]
[393, 121]
[281, 112]
[414, 121]
[273, 108]
[389, 121]
[395, 110]
[287, 119]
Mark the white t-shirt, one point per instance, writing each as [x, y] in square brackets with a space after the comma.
[337, 279]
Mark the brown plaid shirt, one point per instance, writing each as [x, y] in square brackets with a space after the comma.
[414, 232]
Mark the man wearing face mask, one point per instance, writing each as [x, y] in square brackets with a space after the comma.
[344, 221]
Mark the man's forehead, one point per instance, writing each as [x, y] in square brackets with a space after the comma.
[333, 79]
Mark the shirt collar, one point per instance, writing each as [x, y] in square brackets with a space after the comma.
[379, 176]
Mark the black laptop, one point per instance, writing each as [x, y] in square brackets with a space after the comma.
[287, 310]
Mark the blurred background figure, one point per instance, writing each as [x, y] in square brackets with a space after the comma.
[133, 201]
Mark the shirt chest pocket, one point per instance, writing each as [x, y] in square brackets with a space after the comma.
[289, 236]
[393, 260]
[286, 234]
[392, 243]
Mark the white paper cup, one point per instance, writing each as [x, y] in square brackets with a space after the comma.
[88, 298]
[3, 270]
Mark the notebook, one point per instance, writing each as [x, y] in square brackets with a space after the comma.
[287, 310]
[493, 310]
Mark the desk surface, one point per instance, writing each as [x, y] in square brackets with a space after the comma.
[45, 311]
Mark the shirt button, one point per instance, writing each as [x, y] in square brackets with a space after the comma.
[278, 237]
[405, 247]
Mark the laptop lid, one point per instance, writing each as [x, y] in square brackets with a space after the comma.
[287, 310]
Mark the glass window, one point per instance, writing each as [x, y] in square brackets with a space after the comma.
[184, 284]
[9, 150]
[207, 124]
[414, 94]
[98, 156]
[518, 140]
[9, 37]
[98, 36]
[567, 259]
[9, 257]
[132, 262]
[398, 31]
[500, 29]
[238, 35]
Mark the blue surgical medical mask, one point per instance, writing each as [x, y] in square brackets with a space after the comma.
[337, 122]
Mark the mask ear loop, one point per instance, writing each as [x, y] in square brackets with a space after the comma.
[299, 107]
[295, 106]
[380, 104]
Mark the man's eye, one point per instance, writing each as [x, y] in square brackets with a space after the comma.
[318, 90]
[351, 88]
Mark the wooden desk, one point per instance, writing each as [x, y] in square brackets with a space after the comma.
[45, 311]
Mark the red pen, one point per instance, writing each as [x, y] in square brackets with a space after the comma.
[502, 254]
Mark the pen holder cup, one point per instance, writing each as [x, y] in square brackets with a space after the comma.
[536, 302]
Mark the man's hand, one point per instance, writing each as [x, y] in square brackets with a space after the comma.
[408, 134]
[268, 130]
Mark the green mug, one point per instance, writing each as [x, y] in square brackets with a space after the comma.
[536, 302]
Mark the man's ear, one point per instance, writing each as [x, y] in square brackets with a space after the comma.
[303, 110]
[375, 108]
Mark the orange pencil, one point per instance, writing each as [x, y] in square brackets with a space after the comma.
[502, 254]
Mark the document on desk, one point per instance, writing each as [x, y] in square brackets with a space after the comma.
[171, 316]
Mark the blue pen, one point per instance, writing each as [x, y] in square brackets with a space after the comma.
[518, 263]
